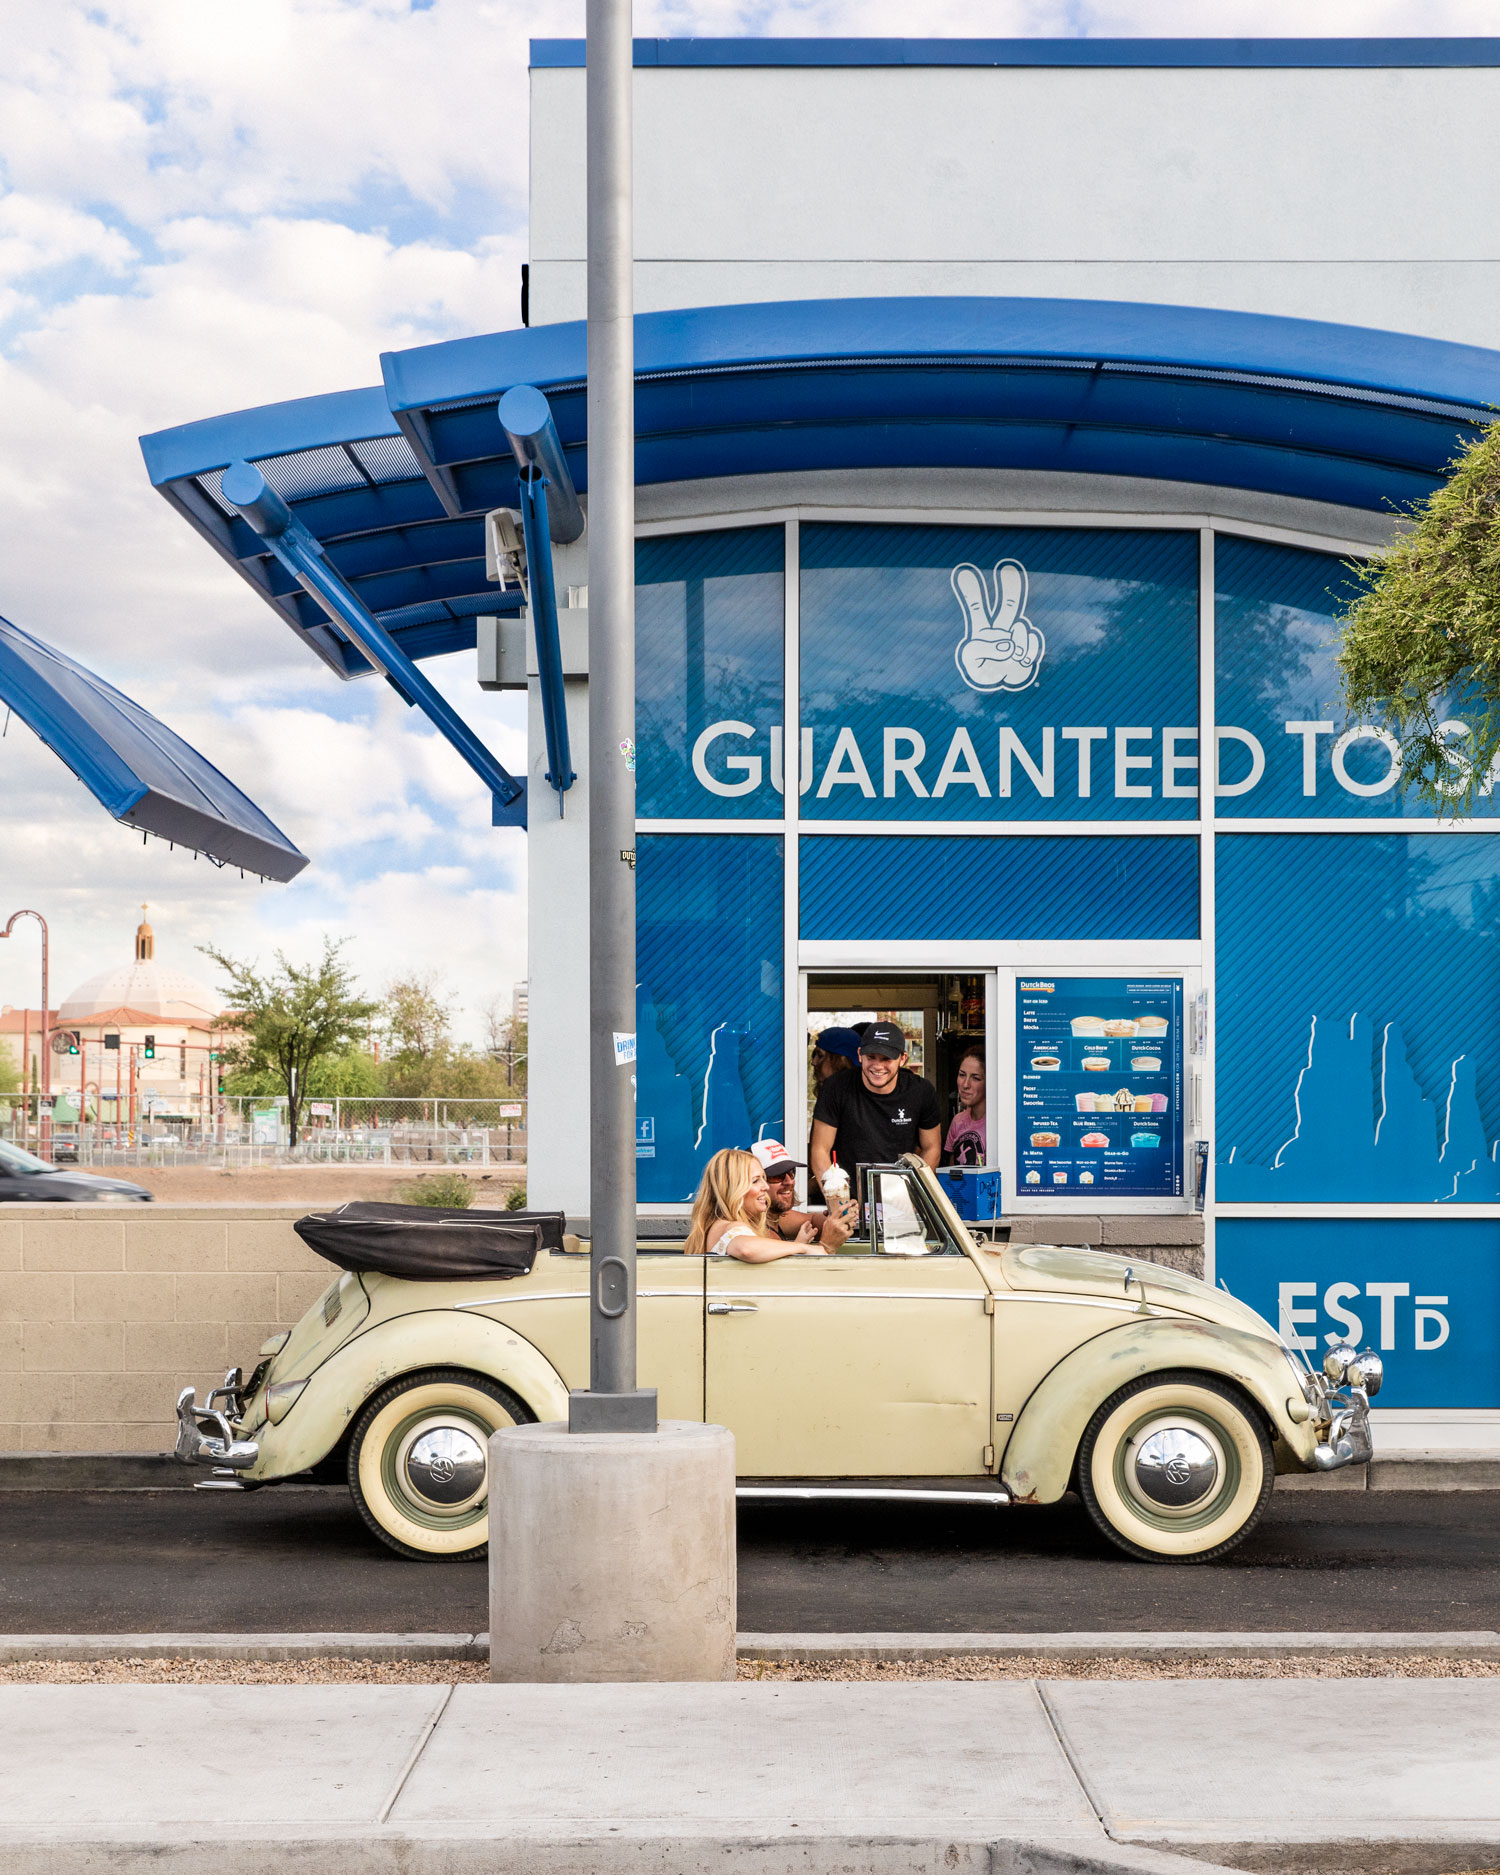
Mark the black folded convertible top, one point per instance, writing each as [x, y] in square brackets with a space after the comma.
[428, 1243]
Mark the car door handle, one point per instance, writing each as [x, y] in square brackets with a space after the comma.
[733, 1308]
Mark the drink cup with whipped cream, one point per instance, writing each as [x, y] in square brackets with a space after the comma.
[835, 1184]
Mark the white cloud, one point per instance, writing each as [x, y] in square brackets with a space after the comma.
[208, 207]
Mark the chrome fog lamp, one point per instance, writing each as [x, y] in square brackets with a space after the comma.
[1338, 1360]
[1367, 1370]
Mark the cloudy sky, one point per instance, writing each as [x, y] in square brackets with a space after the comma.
[204, 207]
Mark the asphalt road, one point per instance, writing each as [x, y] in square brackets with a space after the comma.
[299, 1559]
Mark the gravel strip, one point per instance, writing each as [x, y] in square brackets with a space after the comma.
[179, 1672]
[951, 1667]
[1127, 1667]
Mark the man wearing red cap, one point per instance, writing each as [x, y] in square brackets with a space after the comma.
[783, 1219]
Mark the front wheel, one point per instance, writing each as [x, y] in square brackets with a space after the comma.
[1176, 1467]
[419, 1462]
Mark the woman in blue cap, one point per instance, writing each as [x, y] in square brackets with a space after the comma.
[833, 1050]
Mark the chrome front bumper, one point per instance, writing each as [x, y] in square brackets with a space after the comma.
[204, 1435]
[1346, 1434]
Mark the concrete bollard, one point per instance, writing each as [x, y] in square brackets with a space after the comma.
[612, 1554]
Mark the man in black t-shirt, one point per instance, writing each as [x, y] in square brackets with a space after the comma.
[871, 1114]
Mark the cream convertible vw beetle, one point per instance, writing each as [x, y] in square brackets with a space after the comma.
[915, 1359]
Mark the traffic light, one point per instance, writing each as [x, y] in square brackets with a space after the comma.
[112, 1041]
[72, 1041]
[149, 1050]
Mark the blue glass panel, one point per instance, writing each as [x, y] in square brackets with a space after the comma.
[1426, 1295]
[988, 673]
[708, 1003]
[708, 652]
[1359, 1017]
[1276, 622]
[1035, 886]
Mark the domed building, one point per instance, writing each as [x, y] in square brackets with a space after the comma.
[143, 987]
[145, 1039]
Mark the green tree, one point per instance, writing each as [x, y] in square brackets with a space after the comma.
[354, 1074]
[283, 1022]
[1420, 645]
[10, 1073]
[505, 1044]
[424, 1062]
[416, 1019]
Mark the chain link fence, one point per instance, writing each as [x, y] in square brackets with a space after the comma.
[241, 1130]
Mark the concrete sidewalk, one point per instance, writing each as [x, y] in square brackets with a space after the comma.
[1018, 1777]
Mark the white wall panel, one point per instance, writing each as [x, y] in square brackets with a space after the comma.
[1324, 194]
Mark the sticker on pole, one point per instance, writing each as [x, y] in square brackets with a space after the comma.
[624, 1049]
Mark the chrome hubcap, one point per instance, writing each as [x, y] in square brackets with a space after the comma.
[444, 1465]
[1173, 1468]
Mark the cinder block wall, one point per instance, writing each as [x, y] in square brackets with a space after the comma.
[108, 1311]
[1176, 1242]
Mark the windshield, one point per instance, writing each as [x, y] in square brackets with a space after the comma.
[897, 1216]
[17, 1159]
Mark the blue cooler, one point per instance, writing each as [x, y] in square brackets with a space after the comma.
[973, 1191]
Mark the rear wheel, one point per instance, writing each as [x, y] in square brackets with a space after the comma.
[419, 1461]
[1176, 1467]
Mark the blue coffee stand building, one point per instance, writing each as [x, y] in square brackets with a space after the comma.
[986, 639]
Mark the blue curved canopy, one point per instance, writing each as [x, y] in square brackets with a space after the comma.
[134, 766]
[394, 483]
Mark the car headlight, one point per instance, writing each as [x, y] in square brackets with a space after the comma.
[1346, 1368]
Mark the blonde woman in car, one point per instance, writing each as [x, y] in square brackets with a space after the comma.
[729, 1214]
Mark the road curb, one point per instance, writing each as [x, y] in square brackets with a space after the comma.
[251, 1647]
[186, 1849]
[1469, 1644]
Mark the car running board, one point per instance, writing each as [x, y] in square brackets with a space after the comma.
[802, 1493]
[223, 1479]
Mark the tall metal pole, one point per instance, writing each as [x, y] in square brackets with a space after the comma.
[613, 1402]
[44, 1071]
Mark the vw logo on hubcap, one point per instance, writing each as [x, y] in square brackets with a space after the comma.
[1175, 1468]
[445, 1465]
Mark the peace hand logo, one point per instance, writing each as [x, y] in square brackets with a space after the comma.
[1002, 649]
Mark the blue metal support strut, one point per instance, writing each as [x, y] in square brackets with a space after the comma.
[543, 596]
[303, 557]
[526, 418]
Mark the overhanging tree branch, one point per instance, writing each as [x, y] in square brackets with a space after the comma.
[1420, 646]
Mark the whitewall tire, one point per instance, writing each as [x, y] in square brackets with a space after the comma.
[1176, 1467]
[419, 1461]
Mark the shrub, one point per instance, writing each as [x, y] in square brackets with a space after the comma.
[450, 1189]
[516, 1200]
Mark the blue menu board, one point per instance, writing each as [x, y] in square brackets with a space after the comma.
[1099, 1087]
